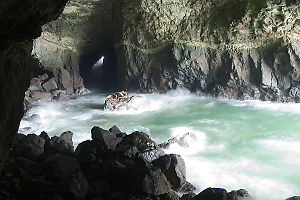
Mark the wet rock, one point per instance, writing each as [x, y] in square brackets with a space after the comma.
[43, 77]
[187, 187]
[178, 140]
[45, 136]
[60, 167]
[117, 100]
[38, 95]
[115, 130]
[171, 195]
[242, 193]
[173, 167]
[61, 95]
[30, 146]
[50, 85]
[147, 147]
[109, 139]
[294, 198]
[155, 183]
[35, 85]
[215, 194]
[188, 196]
[62, 144]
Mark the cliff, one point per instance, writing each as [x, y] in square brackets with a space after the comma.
[20, 22]
[237, 49]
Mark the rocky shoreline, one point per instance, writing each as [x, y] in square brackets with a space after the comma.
[112, 165]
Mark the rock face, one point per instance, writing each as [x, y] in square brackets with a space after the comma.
[236, 49]
[20, 22]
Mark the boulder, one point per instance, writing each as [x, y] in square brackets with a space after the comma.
[35, 85]
[115, 130]
[294, 198]
[173, 167]
[243, 193]
[108, 138]
[38, 95]
[188, 196]
[50, 85]
[117, 100]
[30, 146]
[65, 79]
[215, 194]
[43, 77]
[171, 195]
[62, 144]
[147, 147]
[60, 95]
[155, 183]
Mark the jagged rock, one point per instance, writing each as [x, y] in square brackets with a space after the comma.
[62, 144]
[178, 140]
[147, 147]
[108, 138]
[38, 95]
[215, 194]
[173, 167]
[294, 198]
[117, 132]
[171, 195]
[242, 193]
[155, 183]
[35, 84]
[117, 100]
[50, 85]
[187, 187]
[30, 146]
[61, 95]
[188, 196]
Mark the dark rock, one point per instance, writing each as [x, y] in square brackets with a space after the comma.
[215, 194]
[45, 136]
[188, 196]
[31, 146]
[86, 152]
[99, 188]
[155, 183]
[62, 144]
[187, 187]
[59, 167]
[173, 167]
[171, 195]
[242, 193]
[178, 140]
[148, 148]
[43, 77]
[50, 85]
[114, 129]
[294, 198]
[109, 139]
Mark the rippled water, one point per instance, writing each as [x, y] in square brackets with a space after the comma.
[235, 144]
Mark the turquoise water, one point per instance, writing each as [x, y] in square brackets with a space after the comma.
[233, 144]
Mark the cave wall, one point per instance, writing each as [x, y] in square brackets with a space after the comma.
[238, 49]
[20, 22]
[82, 34]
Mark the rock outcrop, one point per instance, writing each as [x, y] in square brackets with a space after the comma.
[117, 100]
[20, 22]
[235, 49]
[113, 165]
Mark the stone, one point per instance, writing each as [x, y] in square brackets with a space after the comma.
[44, 96]
[109, 139]
[43, 77]
[60, 167]
[62, 144]
[215, 194]
[155, 183]
[50, 85]
[173, 167]
[171, 195]
[35, 85]
[188, 196]
[147, 147]
[117, 100]
[30, 146]
[294, 198]
[242, 193]
[60, 95]
[115, 130]
[66, 80]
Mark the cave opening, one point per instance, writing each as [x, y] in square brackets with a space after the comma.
[98, 68]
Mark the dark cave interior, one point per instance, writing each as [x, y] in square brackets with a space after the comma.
[104, 77]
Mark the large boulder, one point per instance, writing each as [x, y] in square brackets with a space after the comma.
[62, 144]
[173, 167]
[143, 143]
[107, 138]
[155, 183]
[215, 194]
[30, 146]
[117, 100]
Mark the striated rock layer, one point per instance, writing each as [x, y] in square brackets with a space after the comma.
[20, 22]
[238, 49]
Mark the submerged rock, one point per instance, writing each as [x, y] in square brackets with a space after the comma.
[117, 100]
